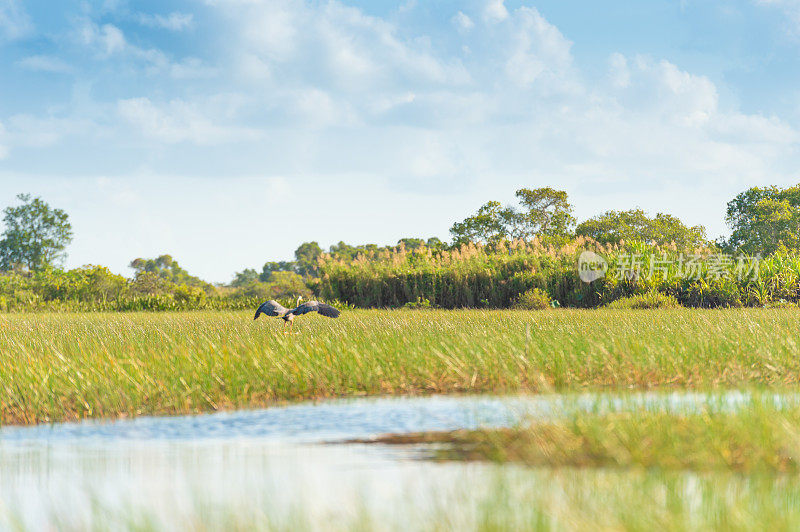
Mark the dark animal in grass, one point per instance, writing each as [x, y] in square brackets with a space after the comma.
[273, 308]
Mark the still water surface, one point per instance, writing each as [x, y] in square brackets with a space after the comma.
[273, 467]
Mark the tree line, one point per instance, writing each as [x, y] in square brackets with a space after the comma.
[763, 220]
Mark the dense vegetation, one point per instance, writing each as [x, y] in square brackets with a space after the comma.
[95, 288]
[498, 276]
[66, 366]
[500, 257]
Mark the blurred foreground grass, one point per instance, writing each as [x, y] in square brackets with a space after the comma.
[68, 366]
[760, 436]
[504, 499]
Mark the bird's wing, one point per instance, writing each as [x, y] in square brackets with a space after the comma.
[270, 308]
[316, 306]
[305, 308]
[329, 311]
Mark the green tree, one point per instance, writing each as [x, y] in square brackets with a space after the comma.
[543, 212]
[411, 244]
[614, 226]
[271, 267]
[486, 225]
[167, 268]
[547, 212]
[344, 251]
[35, 235]
[435, 243]
[244, 277]
[149, 283]
[306, 259]
[287, 284]
[764, 220]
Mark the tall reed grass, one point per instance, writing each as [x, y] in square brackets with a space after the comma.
[495, 276]
[68, 366]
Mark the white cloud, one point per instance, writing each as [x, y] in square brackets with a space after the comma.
[32, 131]
[663, 88]
[271, 28]
[385, 103]
[495, 10]
[316, 108]
[317, 90]
[618, 71]
[108, 41]
[179, 121]
[112, 6]
[791, 8]
[253, 67]
[334, 44]
[537, 49]
[173, 21]
[45, 63]
[14, 21]
[463, 22]
[189, 68]
[3, 147]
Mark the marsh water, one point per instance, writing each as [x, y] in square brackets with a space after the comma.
[280, 467]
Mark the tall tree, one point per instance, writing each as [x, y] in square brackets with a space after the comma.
[244, 277]
[435, 243]
[486, 225]
[271, 267]
[547, 212]
[764, 220]
[35, 235]
[543, 212]
[634, 224]
[306, 259]
[167, 268]
[411, 243]
[346, 252]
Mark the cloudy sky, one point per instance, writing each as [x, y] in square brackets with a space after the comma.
[226, 132]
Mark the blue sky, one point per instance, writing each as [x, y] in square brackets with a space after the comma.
[226, 132]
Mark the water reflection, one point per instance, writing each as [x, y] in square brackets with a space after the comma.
[360, 418]
[267, 466]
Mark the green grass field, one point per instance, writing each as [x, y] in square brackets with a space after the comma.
[69, 366]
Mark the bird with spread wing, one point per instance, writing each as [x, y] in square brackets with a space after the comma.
[275, 309]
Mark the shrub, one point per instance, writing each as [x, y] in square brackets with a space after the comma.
[533, 299]
[781, 303]
[418, 304]
[647, 300]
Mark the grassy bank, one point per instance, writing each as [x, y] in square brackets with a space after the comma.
[756, 438]
[69, 366]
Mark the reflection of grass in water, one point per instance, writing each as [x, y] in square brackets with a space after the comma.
[641, 500]
[66, 366]
[756, 437]
[505, 499]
